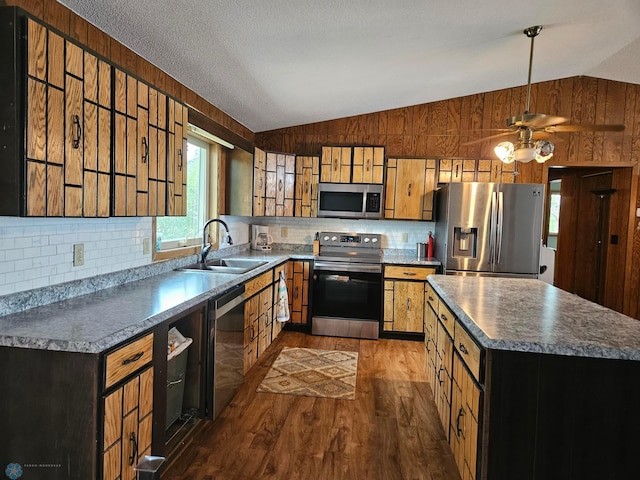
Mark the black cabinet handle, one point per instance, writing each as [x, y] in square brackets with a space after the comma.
[180, 162]
[459, 429]
[440, 382]
[463, 349]
[78, 132]
[145, 155]
[444, 317]
[134, 448]
[135, 358]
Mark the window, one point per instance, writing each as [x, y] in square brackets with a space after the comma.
[554, 213]
[179, 232]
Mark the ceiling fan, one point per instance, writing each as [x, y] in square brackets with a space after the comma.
[533, 129]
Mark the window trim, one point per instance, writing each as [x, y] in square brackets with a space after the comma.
[215, 155]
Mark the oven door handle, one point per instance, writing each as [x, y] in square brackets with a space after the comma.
[346, 267]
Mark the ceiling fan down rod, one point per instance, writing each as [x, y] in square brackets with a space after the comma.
[530, 32]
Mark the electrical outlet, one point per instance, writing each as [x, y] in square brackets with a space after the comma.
[78, 254]
[146, 246]
[405, 237]
[284, 231]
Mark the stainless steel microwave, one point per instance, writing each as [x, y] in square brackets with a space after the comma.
[350, 200]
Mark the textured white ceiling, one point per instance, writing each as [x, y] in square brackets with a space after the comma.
[278, 63]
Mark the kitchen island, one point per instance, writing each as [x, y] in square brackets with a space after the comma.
[532, 382]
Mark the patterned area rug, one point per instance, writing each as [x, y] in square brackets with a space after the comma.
[313, 373]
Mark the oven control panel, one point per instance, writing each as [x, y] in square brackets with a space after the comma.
[342, 239]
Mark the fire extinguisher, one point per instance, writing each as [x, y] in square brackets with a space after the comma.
[430, 246]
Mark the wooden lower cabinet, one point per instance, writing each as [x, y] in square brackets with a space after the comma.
[456, 391]
[260, 326]
[298, 273]
[127, 426]
[465, 412]
[404, 298]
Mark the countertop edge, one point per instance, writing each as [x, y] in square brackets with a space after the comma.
[589, 351]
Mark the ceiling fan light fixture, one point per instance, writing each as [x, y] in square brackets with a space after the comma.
[544, 150]
[505, 152]
[525, 154]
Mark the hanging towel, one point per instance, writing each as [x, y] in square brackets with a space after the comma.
[282, 314]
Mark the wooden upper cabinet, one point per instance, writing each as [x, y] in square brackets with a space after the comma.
[409, 190]
[178, 116]
[64, 146]
[259, 181]
[141, 149]
[307, 177]
[469, 170]
[279, 184]
[352, 164]
[368, 165]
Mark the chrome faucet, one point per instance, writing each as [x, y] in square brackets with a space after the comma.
[206, 247]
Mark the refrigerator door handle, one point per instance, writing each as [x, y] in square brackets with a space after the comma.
[500, 224]
[492, 229]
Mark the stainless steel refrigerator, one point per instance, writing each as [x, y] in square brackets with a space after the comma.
[489, 228]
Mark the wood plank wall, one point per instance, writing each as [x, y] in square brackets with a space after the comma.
[60, 17]
[440, 129]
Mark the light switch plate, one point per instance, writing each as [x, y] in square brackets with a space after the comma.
[146, 246]
[78, 254]
[405, 237]
[284, 231]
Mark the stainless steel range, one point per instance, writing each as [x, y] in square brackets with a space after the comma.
[347, 285]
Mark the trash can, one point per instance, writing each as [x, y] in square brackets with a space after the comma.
[176, 369]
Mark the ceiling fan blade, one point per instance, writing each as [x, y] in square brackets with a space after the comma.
[535, 120]
[584, 128]
[497, 135]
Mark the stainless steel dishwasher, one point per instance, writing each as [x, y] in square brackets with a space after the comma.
[225, 350]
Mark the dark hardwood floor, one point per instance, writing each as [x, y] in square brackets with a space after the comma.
[390, 431]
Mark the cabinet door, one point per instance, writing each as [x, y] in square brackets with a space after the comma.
[68, 127]
[259, 182]
[442, 396]
[335, 164]
[178, 116]
[271, 184]
[298, 288]
[405, 188]
[430, 341]
[128, 415]
[306, 186]
[251, 314]
[408, 306]
[465, 411]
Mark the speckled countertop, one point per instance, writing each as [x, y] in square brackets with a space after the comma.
[533, 316]
[97, 321]
[407, 257]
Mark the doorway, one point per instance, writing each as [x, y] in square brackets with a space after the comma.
[591, 231]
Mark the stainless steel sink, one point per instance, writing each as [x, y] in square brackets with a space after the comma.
[225, 265]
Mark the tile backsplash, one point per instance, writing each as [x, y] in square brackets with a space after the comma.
[38, 252]
[395, 234]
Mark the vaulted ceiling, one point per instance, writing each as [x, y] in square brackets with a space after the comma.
[278, 63]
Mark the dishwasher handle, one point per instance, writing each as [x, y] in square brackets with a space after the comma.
[226, 303]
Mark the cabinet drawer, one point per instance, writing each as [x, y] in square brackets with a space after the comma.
[446, 317]
[408, 273]
[431, 297]
[128, 359]
[255, 285]
[468, 350]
